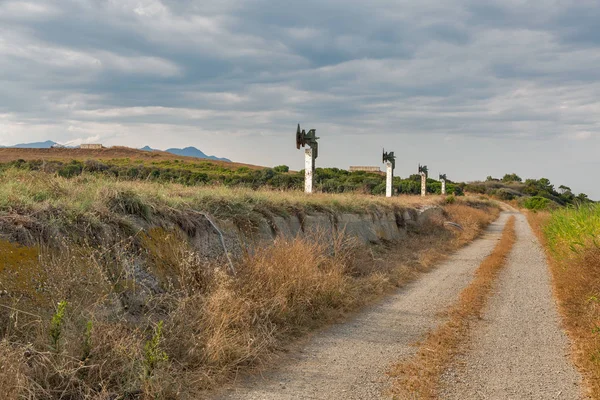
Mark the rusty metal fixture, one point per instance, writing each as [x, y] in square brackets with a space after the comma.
[310, 139]
[390, 157]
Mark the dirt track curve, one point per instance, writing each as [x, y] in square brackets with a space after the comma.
[518, 349]
[522, 337]
[349, 360]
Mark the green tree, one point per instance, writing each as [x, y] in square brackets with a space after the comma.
[281, 168]
[511, 178]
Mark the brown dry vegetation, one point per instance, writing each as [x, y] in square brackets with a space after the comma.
[576, 285]
[418, 377]
[90, 242]
[117, 152]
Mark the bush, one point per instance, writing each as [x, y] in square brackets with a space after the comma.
[281, 168]
[536, 203]
[70, 170]
[450, 199]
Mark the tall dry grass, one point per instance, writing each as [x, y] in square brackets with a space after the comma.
[211, 324]
[571, 237]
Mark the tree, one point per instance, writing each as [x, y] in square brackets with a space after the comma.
[511, 178]
[281, 168]
[564, 189]
[582, 197]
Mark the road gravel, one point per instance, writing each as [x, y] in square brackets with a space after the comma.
[518, 350]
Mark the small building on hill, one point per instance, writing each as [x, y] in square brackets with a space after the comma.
[91, 146]
[375, 170]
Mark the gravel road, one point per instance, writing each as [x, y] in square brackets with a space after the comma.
[518, 349]
[350, 360]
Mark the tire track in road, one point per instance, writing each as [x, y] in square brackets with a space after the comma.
[518, 350]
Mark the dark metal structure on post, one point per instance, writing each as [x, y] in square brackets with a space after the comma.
[310, 154]
[423, 172]
[389, 159]
[443, 181]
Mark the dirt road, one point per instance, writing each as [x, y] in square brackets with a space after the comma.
[350, 360]
[518, 350]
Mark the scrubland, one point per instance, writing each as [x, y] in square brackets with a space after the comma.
[76, 320]
[572, 237]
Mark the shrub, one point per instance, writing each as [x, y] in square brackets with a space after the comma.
[70, 170]
[450, 199]
[281, 168]
[536, 203]
[128, 202]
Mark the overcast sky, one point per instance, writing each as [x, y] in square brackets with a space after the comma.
[469, 87]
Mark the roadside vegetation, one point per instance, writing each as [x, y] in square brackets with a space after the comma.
[536, 194]
[572, 237]
[103, 294]
[419, 376]
[208, 173]
[533, 194]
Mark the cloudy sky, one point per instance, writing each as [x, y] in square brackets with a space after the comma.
[469, 87]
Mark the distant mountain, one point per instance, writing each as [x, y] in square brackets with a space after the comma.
[36, 145]
[188, 152]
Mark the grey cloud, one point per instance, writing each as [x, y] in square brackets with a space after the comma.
[128, 71]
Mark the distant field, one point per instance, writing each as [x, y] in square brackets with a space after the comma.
[66, 155]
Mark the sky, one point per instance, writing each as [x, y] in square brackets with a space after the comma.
[470, 88]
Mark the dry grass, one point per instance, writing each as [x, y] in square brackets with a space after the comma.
[214, 324]
[117, 152]
[576, 284]
[418, 377]
[88, 203]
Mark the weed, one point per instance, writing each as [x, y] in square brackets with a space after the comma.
[153, 352]
[87, 341]
[56, 326]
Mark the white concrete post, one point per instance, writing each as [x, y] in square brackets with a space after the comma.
[443, 186]
[309, 170]
[423, 184]
[389, 179]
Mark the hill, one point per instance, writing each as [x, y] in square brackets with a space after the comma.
[187, 151]
[9, 154]
[36, 145]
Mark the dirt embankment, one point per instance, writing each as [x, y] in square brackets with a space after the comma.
[148, 304]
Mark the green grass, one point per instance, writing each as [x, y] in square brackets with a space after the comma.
[35, 192]
[122, 256]
[574, 229]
